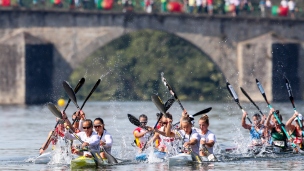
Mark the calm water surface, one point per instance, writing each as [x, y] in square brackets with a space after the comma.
[25, 129]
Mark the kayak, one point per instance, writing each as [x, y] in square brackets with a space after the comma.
[185, 159]
[43, 158]
[82, 162]
[145, 156]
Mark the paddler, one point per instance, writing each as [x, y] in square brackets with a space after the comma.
[88, 136]
[296, 131]
[105, 138]
[256, 129]
[142, 133]
[278, 137]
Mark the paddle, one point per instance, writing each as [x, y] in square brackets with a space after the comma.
[244, 92]
[91, 92]
[72, 95]
[135, 121]
[68, 89]
[76, 89]
[198, 113]
[291, 99]
[236, 99]
[175, 95]
[53, 109]
[275, 114]
[171, 90]
[97, 158]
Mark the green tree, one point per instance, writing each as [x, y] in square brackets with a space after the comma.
[134, 63]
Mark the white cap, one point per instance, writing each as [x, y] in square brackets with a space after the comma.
[299, 116]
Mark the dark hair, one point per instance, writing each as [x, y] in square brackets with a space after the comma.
[205, 118]
[143, 116]
[88, 120]
[101, 121]
[168, 115]
[258, 116]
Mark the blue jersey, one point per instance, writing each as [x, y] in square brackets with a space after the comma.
[256, 134]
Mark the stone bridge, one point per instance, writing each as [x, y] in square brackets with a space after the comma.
[39, 48]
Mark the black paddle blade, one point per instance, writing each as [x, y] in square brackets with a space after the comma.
[158, 103]
[195, 157]
[232, 92]
[93, 89]
[54, 110]
[133, 120]
[203, 111]
[76, 89]
[68, 89]
[169, 103]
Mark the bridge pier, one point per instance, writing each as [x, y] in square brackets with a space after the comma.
[27, 69]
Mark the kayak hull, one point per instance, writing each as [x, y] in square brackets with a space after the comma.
[145, 156]
[83, 162]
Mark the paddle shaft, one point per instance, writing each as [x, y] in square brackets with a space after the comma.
[47, 142]
[248, 97]
[92, 91]
[171, 90]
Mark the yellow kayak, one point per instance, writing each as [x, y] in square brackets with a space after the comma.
[83, 162]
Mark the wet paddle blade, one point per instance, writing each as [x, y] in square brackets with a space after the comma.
[232, 92]
[133, 120]
[169, 103]
[68, 89]
[54, 110]
[260, 87]
[158, 103]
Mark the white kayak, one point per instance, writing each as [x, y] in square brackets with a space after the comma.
[185, 159]
[43, 158]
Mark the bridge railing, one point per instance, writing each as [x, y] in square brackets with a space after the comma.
[163, 6]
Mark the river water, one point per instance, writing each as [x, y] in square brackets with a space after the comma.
[25, 128]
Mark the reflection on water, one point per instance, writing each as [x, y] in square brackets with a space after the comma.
[25, 128]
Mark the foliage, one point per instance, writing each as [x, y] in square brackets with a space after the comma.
[134, 63]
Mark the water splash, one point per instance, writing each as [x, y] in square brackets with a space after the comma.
[62, 152]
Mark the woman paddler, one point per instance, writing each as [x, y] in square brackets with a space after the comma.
[53, 136]
[278, 137]
[256, 130]
[165, 133]
[142, 133]
[296, 131]
[188, 134]
[105, 138]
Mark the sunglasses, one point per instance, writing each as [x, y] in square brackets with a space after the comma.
[164, 123]
[97, 126]
[86, 127]
[143, 122]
